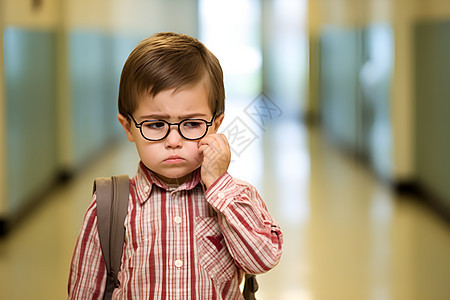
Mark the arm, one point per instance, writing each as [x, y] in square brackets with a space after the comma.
[252, 236]
[87, 276]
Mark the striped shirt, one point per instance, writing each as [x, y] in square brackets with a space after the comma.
[181, 243]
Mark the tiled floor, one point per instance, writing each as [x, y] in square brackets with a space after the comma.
[347, 236]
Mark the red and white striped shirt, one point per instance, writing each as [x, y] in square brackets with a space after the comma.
[181, 243]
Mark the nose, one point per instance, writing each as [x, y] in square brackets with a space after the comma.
[173, 139]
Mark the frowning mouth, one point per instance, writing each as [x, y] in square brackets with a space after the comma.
[174, 159]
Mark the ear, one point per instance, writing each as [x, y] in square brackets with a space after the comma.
[126, 126]
[218, 121]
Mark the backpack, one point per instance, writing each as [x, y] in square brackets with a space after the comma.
[112, 208]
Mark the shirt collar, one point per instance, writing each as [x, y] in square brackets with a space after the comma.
[146, 178]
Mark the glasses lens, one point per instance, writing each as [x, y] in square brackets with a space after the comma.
[154, 130]
[193, 129]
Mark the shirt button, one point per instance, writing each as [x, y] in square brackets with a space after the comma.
[178, 263]
[177, 219]
[146, 189]
[221, 195]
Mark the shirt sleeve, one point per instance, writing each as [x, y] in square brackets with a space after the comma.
[87, 278]
[252, 236]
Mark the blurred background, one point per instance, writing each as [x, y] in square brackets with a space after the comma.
[336, 111]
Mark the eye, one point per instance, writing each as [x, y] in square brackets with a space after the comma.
[154, 125]
[192, 124]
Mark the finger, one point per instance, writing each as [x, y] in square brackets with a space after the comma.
[212, 143]
[221, 145]
[211, 137]
[207, 152]
[216, 141]
[206, 140]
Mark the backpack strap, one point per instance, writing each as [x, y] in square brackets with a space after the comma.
[112, 208]
[250, 287]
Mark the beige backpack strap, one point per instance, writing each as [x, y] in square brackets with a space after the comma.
[112, 208]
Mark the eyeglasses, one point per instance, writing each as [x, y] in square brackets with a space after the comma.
[189, 129]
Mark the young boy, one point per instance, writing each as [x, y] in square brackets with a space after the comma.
[192, 230]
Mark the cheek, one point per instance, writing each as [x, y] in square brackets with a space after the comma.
[190, 152]
[192, 149]
[149, 151]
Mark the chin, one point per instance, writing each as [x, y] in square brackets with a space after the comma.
[176, 176]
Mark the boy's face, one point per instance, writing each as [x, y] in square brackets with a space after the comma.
[174, 158]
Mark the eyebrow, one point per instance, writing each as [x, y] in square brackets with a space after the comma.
[166, 116]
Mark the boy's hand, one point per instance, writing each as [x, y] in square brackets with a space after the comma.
[216, 157]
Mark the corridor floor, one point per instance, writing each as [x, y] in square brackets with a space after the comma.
[346, 235]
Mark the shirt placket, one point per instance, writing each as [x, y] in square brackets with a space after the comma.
[176, 222]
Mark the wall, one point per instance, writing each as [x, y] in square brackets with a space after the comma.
[432, 95]
[77, 105]
[402, 108]
[431, 67]
[285, 51]
[3, 203]
[28, 101]
[352, 69]
[340, 54]
[30, 89]
[372, 90]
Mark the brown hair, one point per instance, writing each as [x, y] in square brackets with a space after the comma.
[165, 61]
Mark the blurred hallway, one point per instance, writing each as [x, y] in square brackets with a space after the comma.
[371, 75]
[347, 236]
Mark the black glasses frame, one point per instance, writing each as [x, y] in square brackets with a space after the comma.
[139, 126]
